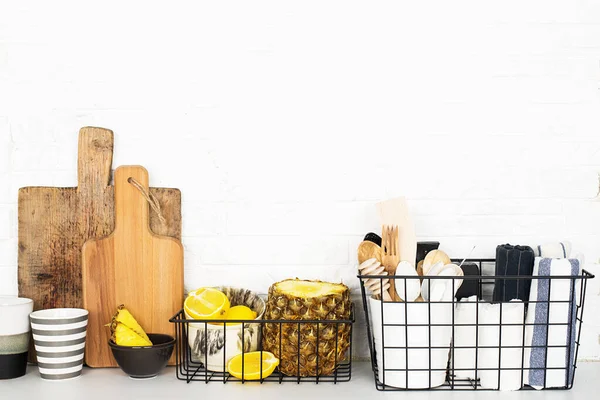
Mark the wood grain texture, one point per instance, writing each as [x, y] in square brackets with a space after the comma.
[55, 222]
[395, 212]
[389, 256]
[132, 266]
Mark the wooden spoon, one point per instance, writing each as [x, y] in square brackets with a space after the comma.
[432, 258]
[367, 250]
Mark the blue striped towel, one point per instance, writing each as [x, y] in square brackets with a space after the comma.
[558, 359]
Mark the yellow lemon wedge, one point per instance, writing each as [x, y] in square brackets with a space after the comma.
[206, 303]
[253, 365]
[240, 312]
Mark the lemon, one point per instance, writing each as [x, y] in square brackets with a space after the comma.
[240, 312]
[253, 365]
[206, 303]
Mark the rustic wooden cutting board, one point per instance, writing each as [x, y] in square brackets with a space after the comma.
[132, 266]
[55, 222]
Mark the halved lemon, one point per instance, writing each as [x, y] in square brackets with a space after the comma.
[240, 312]
[206, 303]
[253, 365]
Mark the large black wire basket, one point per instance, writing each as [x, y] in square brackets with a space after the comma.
[214, 342]
[477, 343]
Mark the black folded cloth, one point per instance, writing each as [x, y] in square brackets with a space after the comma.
[513, 261]
[469, 287]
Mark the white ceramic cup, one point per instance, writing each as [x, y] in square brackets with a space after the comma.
[14, 335]
[59, 339]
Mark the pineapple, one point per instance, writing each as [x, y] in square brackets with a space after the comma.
[124, 336]
[295, 299]
[125, 330]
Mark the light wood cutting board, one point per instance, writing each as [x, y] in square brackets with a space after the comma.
[55, 222]
[132, 266]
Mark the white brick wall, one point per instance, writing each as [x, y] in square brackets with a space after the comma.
[283, 124]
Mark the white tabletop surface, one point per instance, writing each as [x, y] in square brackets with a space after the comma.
[112, 383]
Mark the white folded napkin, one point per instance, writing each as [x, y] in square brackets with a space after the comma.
[463, 360]
[419, 362]
[508, 348]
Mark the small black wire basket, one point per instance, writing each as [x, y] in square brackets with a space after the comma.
[476, 343]
[204, 347]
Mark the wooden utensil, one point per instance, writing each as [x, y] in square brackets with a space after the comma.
[390, 257]
[132, 266]
[453, 270]
[430, 286]
[434, 257]
[430, 283]
[374, 285]
[395, 212]
[55, 222]
[412, 286]
[436, 268]
[367, 250]
[442, 288]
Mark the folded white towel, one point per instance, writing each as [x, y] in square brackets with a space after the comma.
[558, 359]
[507, 348]
[553, 250]
[463, 359]
[419, 361]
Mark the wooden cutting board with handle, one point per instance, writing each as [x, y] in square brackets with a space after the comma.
[55, 222]
[132, 266]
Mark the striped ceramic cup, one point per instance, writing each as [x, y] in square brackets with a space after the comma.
[59, 339]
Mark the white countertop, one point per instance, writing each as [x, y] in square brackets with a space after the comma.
[112, 383]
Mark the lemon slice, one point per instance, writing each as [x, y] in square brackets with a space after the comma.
[253, 365]
[240, 312]
[206, 303]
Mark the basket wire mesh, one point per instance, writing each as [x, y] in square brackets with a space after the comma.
[193, 368]
[485, 284]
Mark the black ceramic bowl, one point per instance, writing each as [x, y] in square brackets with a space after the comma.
[147, 361]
